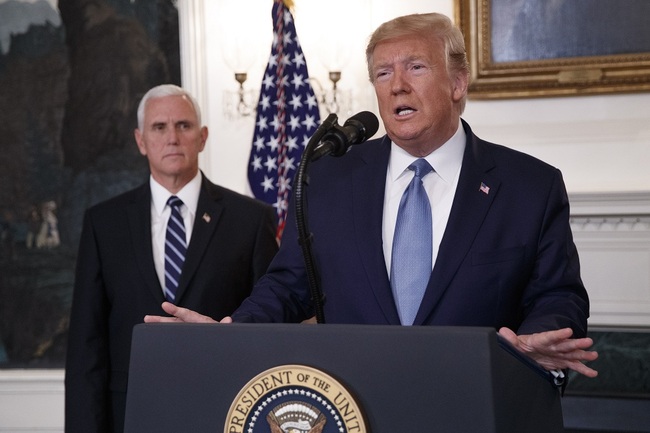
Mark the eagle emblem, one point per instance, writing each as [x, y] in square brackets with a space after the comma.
[296, 417]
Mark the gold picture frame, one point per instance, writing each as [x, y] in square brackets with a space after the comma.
[507, 64]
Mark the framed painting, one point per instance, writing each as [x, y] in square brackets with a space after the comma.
[532, 48]
[71, 78]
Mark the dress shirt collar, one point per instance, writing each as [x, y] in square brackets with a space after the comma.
[189, 194]
[446, 160]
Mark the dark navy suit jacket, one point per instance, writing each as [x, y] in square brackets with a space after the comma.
[116, 285]
[507, 257]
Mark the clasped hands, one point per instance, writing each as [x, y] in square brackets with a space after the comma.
[553, 350]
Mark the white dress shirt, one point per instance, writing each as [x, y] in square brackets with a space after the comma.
[440, 185]
[160, 212]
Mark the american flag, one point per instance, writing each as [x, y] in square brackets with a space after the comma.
[287, 116]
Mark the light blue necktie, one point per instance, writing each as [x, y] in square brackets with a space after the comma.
[411, 256]
[175, 248]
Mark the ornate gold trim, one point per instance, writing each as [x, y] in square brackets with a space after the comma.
[553, 77]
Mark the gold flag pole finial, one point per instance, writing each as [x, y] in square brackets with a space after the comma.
[288, 4]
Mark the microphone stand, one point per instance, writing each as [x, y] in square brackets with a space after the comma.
[305, 237]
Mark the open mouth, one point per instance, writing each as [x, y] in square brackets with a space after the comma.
[404, 111]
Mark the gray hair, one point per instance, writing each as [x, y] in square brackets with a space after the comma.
[162, 91]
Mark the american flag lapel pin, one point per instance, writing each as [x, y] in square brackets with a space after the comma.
[206, 217]
[484, 188]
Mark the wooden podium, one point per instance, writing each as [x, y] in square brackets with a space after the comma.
[185, 377]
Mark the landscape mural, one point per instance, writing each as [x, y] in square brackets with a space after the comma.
[71, 75]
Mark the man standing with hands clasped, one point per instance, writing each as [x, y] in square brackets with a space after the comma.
[177, 238]
[431, 225]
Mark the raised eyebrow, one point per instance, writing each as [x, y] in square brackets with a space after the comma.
[385, 65]
[416, 59]
[378, 69]
[405, 61]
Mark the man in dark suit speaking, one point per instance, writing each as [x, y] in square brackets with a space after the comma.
[497, 247]
[178, 238]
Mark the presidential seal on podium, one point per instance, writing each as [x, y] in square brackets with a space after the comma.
[294, 399]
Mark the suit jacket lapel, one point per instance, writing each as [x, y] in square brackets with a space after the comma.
[139, 217]
[208, 213]
[368, 207]
[471, 204]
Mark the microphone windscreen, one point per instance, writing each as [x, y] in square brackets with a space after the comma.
[370, 124]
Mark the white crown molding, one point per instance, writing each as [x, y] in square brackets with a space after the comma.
[610, 203]
[612, 234]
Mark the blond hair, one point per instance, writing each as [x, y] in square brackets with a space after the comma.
[429, 26]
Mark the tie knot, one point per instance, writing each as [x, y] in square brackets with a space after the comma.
[175, 202]
[421, 167]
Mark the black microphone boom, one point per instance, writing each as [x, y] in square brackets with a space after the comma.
[329, 138]
[355, 130]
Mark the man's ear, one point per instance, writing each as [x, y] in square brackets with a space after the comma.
[140, 142]
[460, 84]
[204, 136]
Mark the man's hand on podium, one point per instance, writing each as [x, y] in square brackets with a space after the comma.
[182, 315]
[555, 350]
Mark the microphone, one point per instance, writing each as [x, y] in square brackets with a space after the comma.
[355, 130]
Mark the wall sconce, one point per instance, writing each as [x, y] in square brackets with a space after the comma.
[243, 46]
[241, 102]
[333, 100]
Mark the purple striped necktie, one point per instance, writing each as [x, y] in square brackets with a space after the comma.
[175, 248]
